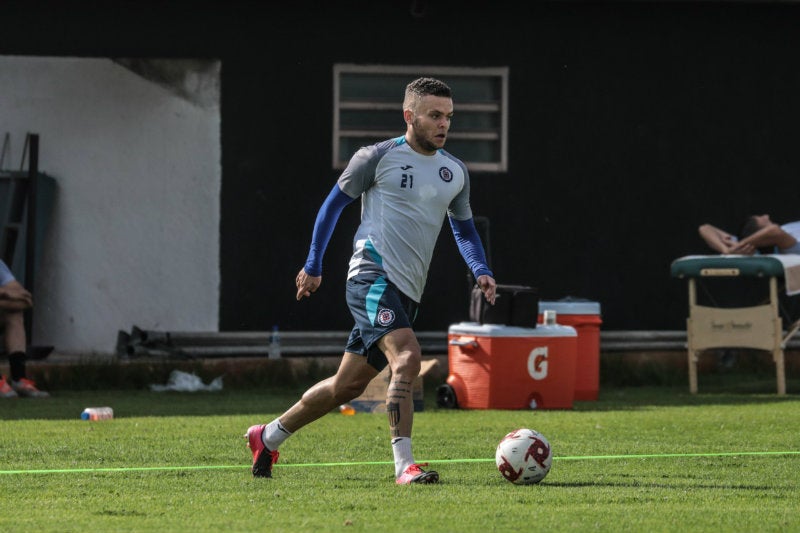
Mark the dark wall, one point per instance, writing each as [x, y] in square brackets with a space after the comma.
[631, 123]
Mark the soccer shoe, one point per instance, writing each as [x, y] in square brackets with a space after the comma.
[5, 389]
[263, 459]
[26, 387]
[415, 474]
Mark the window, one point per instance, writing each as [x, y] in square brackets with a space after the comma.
[367, 108]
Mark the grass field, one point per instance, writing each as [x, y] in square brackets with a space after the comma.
[639, 459]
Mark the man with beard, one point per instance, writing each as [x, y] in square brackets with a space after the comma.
[407, 186]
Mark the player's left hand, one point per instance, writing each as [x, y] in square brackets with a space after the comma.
[488, 287]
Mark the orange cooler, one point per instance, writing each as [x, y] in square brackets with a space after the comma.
[584, 316]
[509, 367]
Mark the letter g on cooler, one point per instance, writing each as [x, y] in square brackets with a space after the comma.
[537, 363]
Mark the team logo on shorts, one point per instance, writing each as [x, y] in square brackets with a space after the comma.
[446, 174]
[385, 317]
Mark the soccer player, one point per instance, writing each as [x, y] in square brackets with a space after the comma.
[407, 186]
[14, 301]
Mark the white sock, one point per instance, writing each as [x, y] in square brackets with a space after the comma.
[403, 458]
[274, 435]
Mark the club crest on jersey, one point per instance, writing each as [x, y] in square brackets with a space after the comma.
[446, 174]
[385, 316]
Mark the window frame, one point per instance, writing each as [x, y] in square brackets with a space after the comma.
[447, 73]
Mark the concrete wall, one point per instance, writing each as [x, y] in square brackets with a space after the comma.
[134, 235]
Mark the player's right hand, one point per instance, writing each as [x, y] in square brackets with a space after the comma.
[488, 287]
[306, 284]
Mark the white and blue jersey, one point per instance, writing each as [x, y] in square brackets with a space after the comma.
[405, 197]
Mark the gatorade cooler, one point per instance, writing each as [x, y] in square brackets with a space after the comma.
[584, 316]
[509, 367]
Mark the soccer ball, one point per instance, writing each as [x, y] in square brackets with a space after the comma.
[524, 457]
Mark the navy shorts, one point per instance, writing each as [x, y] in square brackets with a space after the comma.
[378, 307]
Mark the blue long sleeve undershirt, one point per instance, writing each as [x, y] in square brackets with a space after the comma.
[469, 244]
[323, 228]
[464, 231]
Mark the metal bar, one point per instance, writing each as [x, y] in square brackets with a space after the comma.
[30, 233]
[636, 335]
[311, 343]
[622, 346]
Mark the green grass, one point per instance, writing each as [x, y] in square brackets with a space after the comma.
[639, 459]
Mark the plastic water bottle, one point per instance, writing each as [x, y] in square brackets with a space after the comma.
[347, 409]
[275, 343]
[97, 413]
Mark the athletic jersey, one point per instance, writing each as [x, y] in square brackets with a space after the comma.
[405, 196]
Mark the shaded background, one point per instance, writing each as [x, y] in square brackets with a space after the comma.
[630, 124]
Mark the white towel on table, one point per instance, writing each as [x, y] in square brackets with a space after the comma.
[791, 271]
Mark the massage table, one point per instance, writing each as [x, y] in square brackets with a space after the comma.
[751, 326]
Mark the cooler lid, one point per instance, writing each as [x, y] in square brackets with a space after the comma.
[570, 306]
[496, 330]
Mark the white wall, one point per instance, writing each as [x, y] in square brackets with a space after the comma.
[134, 236]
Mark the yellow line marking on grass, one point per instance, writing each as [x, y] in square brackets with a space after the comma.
[366, 463]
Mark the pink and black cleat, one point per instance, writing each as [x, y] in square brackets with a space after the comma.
[263, 459]
[415, 474]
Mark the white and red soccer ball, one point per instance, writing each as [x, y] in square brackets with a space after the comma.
[524, 457]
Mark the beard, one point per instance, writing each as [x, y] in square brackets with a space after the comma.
[421, 141]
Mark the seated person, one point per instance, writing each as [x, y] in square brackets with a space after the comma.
[758, 234]
[14, 301]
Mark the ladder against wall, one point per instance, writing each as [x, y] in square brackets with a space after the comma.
[15, 189]
[13, 200]
[26, 203]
